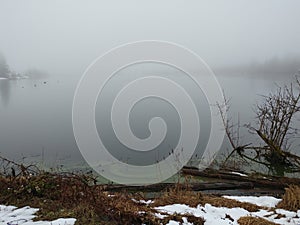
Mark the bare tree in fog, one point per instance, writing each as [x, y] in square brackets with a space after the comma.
[276, 116]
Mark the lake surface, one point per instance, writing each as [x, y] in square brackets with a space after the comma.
[36, 116]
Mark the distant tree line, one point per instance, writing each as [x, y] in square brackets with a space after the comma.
[7, 72]
[272, 67]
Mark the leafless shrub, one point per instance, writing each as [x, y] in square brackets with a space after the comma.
[274, 129]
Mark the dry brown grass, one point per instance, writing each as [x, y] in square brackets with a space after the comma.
[249, 220]
[291, 199]
[229, 203]
[179, 195]
[75, 195]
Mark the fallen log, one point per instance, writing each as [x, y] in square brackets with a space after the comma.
[192, 186]
[268, 182]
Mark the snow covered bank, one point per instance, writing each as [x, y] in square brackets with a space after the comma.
[11, 215]
[229, 216]
[266, 201]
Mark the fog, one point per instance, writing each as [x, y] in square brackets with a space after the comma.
[63, 37]
[53, 42]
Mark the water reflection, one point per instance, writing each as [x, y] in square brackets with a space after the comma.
[5, 91]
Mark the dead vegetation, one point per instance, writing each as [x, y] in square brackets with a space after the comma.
[291, 199]
[249, 220]
[75, 195]
[59, 194]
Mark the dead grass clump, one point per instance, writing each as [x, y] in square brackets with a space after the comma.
[291, 199]
[126, 211]
[178, 195]
[195, 220]
[249, 220]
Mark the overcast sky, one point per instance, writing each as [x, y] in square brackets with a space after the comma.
[64, 36]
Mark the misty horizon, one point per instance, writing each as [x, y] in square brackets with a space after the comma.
[275, 66]
[65, 37]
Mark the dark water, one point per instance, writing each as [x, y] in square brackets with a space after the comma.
[36, 116]
[36, 121]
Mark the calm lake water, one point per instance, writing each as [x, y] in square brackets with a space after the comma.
[36, 116]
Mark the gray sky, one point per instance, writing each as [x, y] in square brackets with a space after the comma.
[65, 36]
